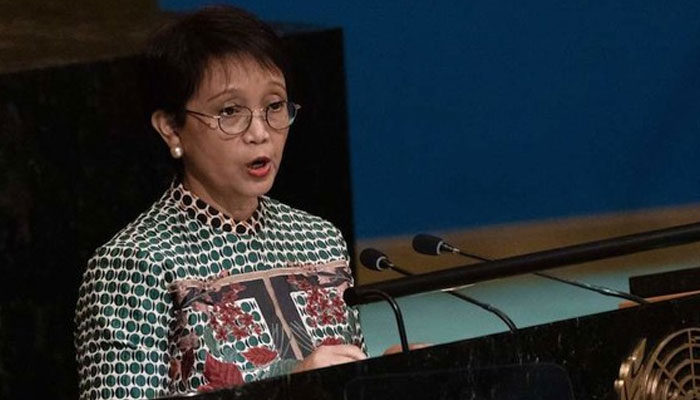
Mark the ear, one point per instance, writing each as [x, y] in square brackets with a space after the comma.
[164, 124]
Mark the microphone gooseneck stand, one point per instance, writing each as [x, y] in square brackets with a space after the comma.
[397, 313]
[488, 307]
[372, 259]
[435, 246]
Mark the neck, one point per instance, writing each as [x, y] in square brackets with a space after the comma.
[238, 207]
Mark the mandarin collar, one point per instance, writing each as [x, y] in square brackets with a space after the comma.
[207, 214]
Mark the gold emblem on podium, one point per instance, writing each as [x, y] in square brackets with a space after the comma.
[671, 372]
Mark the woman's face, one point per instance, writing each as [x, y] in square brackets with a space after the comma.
[242, 167]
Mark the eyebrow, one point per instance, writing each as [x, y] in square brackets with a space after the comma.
[231, 90]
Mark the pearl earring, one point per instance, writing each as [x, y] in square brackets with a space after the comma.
[176, 152]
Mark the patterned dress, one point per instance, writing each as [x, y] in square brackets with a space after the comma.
[185, 299]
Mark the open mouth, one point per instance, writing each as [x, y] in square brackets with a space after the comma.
[258, 163]
[259, 167]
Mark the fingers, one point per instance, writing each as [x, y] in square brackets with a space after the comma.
[392, 349]
[412, 346]
[346, 350]
[340, 360]
[326, 356]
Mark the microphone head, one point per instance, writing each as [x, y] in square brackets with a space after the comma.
[427, 244]
[374, 259]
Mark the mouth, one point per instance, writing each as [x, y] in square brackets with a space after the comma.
[259, 167]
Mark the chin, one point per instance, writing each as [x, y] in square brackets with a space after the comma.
[261, 189]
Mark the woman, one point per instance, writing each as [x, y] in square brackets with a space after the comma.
[216, 284]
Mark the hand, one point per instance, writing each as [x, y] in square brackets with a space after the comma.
[326, 356]
[411, 346]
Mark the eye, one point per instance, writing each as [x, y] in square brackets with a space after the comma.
[276, 106]
[231, 111]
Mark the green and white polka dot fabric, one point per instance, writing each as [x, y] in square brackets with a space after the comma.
[185, 299]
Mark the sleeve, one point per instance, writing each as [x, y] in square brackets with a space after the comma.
[121, 320]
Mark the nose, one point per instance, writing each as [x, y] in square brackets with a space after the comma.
[258, 131]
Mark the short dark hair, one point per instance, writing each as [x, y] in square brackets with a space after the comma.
[179, 53]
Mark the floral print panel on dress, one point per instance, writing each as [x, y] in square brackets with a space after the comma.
[251, 326]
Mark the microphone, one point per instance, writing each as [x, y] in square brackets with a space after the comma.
[378, 261]
[375, 260]
[432, 245]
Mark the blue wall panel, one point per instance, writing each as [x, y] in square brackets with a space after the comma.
[468, 113]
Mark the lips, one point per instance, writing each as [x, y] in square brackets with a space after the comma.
[259, 167]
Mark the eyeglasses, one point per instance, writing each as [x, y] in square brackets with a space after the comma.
[234, 120]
